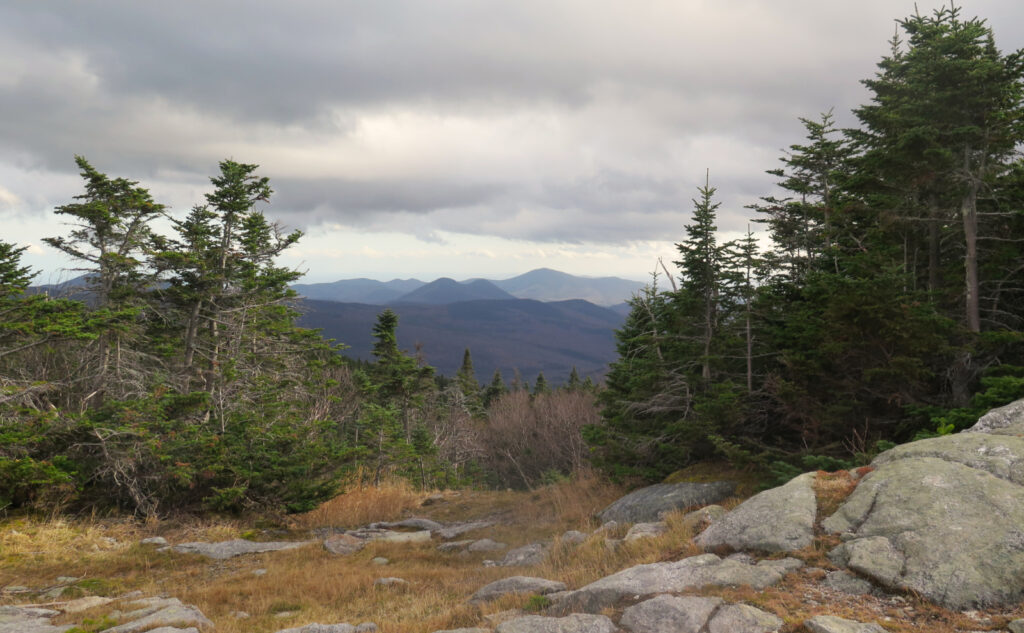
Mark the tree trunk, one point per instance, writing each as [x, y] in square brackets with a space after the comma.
[969, 211]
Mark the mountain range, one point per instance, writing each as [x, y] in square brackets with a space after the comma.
[542, 284]
[542, 321]
[505, 334]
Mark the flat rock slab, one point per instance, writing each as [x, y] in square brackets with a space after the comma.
[833, 624]
[776, 520]
[675, 577]
[525, 556]
[416, 523]
[458, 529]
[648, 504]
[237, 547]
[516, 584]
[344, 627]
[423, 536]
[943, 518]
[180, 616]
[29, 620]
[83, 604]
[575, 623]
[390, 581]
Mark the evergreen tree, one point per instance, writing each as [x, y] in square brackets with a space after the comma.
[495, 389]
[947, 115]
[574, 383]
[541, 385]
[468, 386]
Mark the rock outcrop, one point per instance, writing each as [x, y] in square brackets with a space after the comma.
[942, 517]
[658, 578]
[516, 584]
[776, 520]
[649, 504]
[237, 547]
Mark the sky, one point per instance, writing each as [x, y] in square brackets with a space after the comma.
[459, 138]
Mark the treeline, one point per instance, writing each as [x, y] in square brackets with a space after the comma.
[890, 303]
[176, 379]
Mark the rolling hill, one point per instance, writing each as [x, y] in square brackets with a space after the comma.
[542, 284]
[522, 334]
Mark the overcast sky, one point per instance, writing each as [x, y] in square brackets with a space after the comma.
[424, 138]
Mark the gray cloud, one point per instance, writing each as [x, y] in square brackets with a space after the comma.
[549, 121]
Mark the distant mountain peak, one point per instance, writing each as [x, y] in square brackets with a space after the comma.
[540, 284]
[446, 290]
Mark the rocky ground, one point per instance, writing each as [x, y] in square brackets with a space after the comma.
[926, 538]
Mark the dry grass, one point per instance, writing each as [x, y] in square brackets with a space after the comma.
[362, 504]
[831, 490]
[310, 585]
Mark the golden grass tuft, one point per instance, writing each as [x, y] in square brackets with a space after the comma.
[831, 490]
[361, 504]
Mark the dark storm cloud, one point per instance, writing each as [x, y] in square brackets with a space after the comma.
[559, 121]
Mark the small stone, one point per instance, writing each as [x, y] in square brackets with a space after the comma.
[532, 554]
[285, 614]
[574, 537]
[343, 544]
[66, 580]
[259, 572]
[240, 615]
[485, 545]
[846, 582]
[703, 517]
[1017, 626]
[734, 618]
[432, 499]
[379, 560]
[646, 530]
[154, 540]
[390, 582]
[454, 546]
